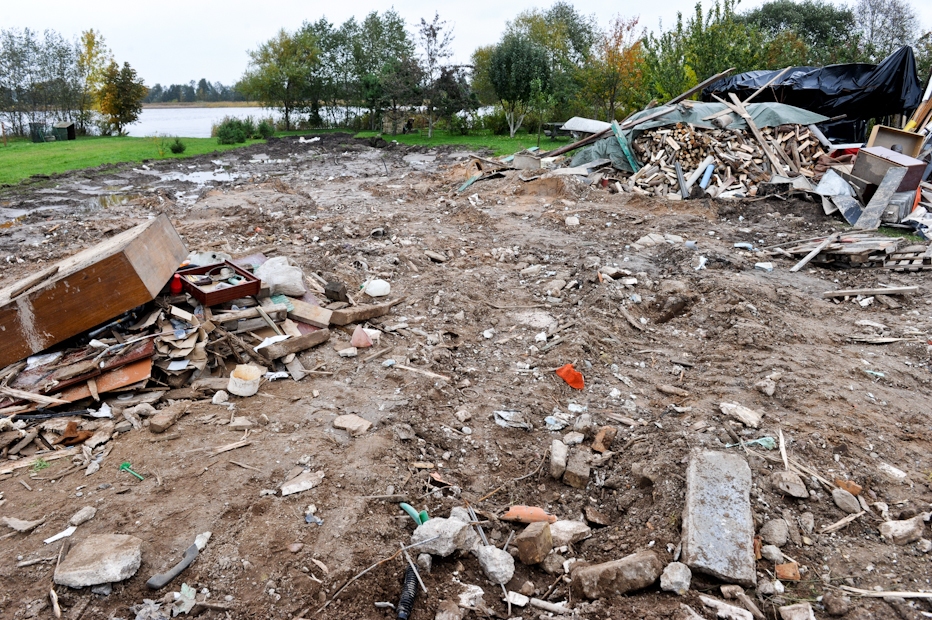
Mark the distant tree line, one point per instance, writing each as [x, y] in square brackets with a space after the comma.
[201, 91]
[46, 79]
[551, 64]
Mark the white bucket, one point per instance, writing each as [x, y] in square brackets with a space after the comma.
[244, 380]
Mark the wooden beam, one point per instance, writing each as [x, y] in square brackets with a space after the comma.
[362, 313]
[854, 292]
[815, 252]
[295, 345]
[699, 86]
[771, 81]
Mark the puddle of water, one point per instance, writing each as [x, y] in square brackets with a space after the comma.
[106, 201]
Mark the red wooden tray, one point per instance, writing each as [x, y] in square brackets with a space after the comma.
[248, 288]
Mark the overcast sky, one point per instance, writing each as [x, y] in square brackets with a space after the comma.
[174, 41]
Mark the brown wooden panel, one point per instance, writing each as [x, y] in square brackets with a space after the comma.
[89, 288]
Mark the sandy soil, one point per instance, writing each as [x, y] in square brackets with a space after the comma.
[347, 211]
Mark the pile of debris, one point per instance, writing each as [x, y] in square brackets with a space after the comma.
[740, 163]
[166, 335]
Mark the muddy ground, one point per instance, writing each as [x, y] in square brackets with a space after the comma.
[348, 211]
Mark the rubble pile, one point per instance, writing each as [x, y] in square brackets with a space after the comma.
[739, 160]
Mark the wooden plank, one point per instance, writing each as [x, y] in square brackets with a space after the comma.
[295, 345]
[275, 311]
[309, 313]
[362, 313]
[699, 86]
[31, 397]
[815, 252]
[90, 288]
[870, 218]
[854, 292]
[112, 380]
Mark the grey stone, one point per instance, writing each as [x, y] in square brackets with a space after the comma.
[675, 578]
[452, 532]
[553, 564]
[846, 501]
[807, 522]
[772, 553]
[123, 426]
[559, 453]
[799, 611]
[425, 562]
[789, 483]
[566, 532]
[573, 438]
[460, 514]
[724, 610]
[836, 604]
[775, 532]
[85, 514]
[718, 530]
[903, 532]
[448, 610]
[577, 469]
[583, 424]
[106, 558]
[498, 565]
[352, 423]
[104, 589]
[634, 572]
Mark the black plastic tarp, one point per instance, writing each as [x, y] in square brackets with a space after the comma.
[860, 91]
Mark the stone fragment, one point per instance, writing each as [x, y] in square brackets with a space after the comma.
[718, 530]
[497, 564]
[553, 564]
[517, 599]
[746, 416]
[846, 501]
[925, 545]
[893, 474]
[534, 543]
[724, 610]
[425, 562]
[166, 418]
[352, 423]
[596, 516]
[100, 559]
[799, 611]
[836, 604]
[559, 453]
[772, 553]
[448, 610]
[807, 522]
[82, 516]
[295, 547]
[573, 438]
[775, 532]
[220, 397]
[471, 597]
[848, 485]
[604, 438]
[302, 482]
[20, 525]
[675, 578]
[769, 588]
[609, 579]
[123, 426]
[452, 534]
[241, 423]
[789, 483]
[143, 410]
[903, 532]
[568, 532]
[577, 470]
[766, 386]
[787, 572]
[101, 436]
[571, 220]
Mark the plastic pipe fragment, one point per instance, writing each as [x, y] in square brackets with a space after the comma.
[704, 183]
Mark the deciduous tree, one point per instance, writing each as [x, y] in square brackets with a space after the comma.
[885, 25]
[92, 60]
[121, 96]
[516, 62]
[280, 72]
[435, 40]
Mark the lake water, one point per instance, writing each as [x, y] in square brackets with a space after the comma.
[189, 122]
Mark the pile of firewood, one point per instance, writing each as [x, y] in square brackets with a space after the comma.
[740, 160]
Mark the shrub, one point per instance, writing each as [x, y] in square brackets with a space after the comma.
[265, 129]
[233, 130]
[177, 147]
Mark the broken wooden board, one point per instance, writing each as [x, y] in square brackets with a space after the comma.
[901, 290]
[357, 314]
[295, 345]
[849, 206]
[90, 288]
[304, 312]
[112, 380]
[870, 218]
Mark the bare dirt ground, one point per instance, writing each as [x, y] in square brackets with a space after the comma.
[348, 211]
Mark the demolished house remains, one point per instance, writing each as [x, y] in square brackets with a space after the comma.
[677, 368]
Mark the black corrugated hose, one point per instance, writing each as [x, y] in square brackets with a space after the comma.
[408, 594]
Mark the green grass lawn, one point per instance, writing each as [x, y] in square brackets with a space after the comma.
[21, 158]
[500, 145]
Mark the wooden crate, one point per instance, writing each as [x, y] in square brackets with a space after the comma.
[89, 289]
[248, 288]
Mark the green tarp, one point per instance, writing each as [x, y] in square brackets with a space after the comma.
[763, 115]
